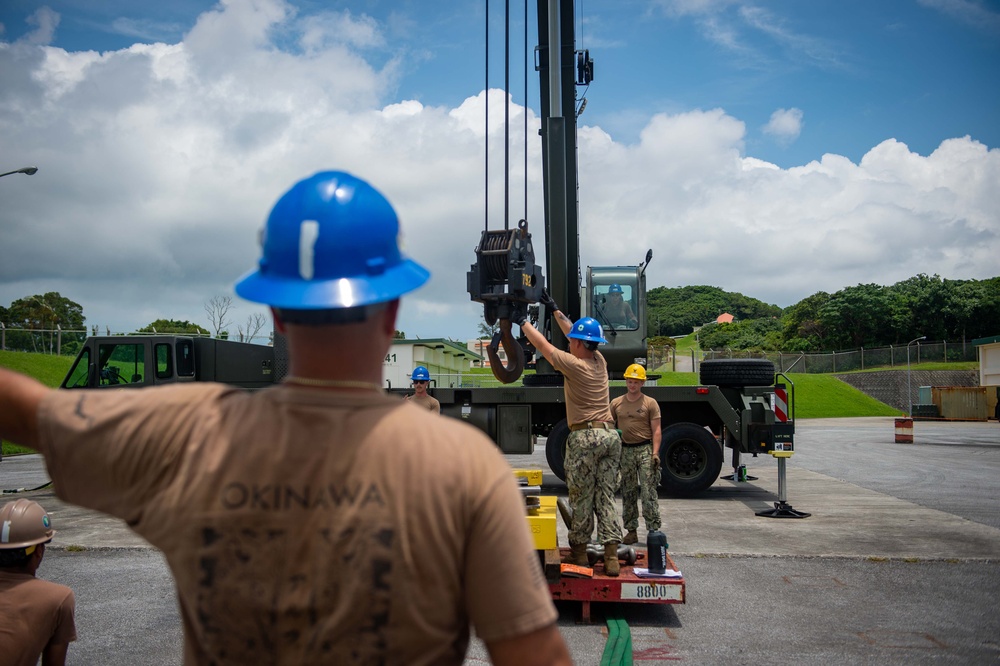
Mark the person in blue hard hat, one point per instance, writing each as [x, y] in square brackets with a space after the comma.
[593, 448]
[615, 310]
[421, 380]
[307, 523]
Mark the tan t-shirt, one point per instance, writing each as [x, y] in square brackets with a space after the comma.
[634, 418]
[585, 388]
[33, 613]
[427, 401]
[305, 525]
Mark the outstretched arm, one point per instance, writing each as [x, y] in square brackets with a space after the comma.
[20, 397]
[544, 347]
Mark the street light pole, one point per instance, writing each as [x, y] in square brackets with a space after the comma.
[30, 171]
[909, 395]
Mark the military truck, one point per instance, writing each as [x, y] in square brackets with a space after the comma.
[134, 361]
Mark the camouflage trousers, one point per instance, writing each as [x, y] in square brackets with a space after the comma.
[639, 479]
[592, 477]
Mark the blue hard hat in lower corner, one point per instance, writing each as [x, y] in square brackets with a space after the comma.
[420, 374]
[331, 241]
[588, 329]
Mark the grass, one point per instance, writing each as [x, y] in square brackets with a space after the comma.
[687, 343]
[46, 368]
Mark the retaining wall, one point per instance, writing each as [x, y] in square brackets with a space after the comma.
[889, 386]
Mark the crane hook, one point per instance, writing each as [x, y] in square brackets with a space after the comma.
[515, 355]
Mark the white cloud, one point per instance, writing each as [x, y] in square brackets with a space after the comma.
[44, 21]
[971, 12]
[159, 163]
[785, 125]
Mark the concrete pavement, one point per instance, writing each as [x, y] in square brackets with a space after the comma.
[898, 563]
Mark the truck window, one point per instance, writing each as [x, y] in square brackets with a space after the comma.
[185, 359]
[121, 364]
[164, 364]
[77, 377]
[617, 310]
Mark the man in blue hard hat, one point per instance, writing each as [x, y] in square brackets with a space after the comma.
[421, 378]
[307, 523]
[593, 448]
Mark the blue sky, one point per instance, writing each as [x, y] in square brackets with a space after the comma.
[861, 137]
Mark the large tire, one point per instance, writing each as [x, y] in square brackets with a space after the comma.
[690, 459]
[737, 372]
[555, 449]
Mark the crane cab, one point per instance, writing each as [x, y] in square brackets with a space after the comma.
[616, 297]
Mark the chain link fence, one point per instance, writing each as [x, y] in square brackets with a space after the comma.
[854, 359]
[61, 341]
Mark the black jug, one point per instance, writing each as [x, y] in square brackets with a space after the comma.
[656, 551]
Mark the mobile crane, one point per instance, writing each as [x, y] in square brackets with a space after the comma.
[734, 405]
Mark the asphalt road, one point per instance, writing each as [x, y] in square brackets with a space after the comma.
[899, 562]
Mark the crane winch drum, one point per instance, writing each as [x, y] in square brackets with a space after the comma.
[505, 276]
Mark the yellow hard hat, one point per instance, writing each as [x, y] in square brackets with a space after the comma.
[635, 371]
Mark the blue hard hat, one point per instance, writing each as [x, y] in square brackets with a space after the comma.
[587, 329]
[421, 374]
[331, 241]
[615, 289]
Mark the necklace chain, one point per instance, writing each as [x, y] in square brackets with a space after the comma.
[333, 383]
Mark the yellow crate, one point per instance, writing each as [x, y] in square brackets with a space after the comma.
[534, 476]
[542, 523]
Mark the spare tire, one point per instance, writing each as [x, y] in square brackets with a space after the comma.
[737, 372]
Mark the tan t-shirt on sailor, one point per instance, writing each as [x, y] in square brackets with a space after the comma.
[427, 401]
[633, 418]
[34, 613]
[304, 525]
[585, 388]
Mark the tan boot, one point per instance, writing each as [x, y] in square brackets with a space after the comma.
[630, 538]
[611, 567]
[577, 555]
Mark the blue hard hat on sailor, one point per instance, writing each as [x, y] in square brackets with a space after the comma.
[331, 241]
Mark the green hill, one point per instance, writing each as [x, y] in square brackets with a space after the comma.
[816, 396]
[46, 368]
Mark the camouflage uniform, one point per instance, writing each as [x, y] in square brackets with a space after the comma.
[638, 472]
[592, 476]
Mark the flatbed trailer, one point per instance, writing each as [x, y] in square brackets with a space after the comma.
[626, 588]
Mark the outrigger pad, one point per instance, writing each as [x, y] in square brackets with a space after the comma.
[783, 510]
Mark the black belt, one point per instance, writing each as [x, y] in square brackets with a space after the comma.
[642, 443]
[590, 424]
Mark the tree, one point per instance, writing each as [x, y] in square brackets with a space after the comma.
[801, 328]
[43, 315]
[251, 328]
[173, 326]
[677, 311]
[217, 309]
[486, 332]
